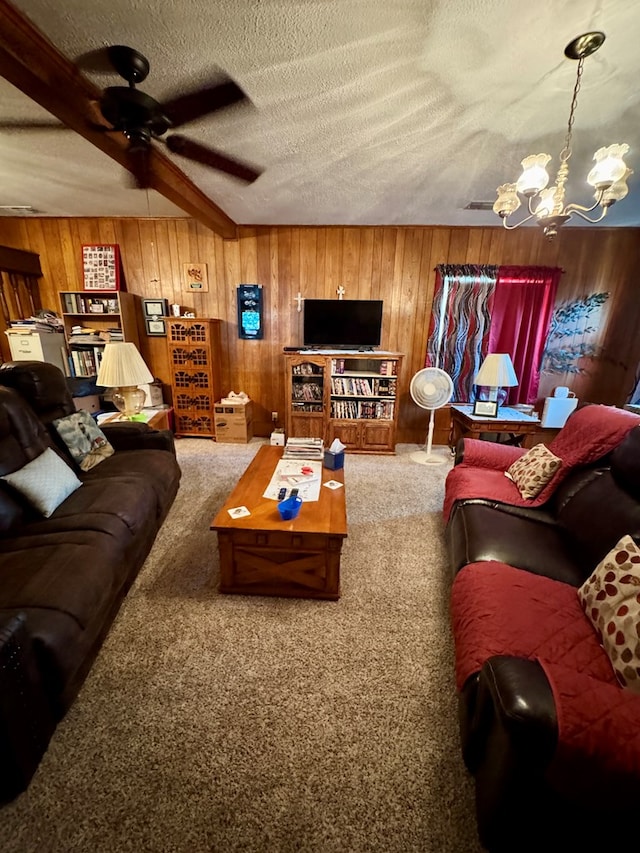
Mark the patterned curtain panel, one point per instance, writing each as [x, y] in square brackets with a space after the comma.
[459, 327]
[522, 309]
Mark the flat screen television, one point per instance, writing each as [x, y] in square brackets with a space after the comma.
[342, 323]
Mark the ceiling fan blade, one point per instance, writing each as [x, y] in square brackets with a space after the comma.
[192, 105]
[179, 144]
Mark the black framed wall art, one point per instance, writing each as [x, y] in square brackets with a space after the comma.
[155, 310]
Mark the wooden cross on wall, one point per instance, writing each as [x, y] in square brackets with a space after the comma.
[340, 291]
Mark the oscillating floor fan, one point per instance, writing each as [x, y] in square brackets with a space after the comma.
[431, 388]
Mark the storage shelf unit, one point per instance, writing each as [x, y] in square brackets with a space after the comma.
[112, 314]
[194, 360]
[351, 397]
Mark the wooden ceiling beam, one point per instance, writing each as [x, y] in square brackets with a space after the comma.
[31, 63]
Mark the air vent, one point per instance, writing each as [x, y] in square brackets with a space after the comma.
[479, 205]
[19, 210]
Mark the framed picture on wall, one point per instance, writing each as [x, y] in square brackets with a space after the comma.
[195, 278]
[101, 266]
[155, 307]
[155, 326]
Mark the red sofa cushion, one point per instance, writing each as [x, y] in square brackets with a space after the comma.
[589, 434]
[499, 610]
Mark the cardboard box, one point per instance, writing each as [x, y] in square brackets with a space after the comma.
[90, 403]
[277, 438]
[233, 423]
[152, 394]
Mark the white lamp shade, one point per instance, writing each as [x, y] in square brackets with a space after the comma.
[497, 371]
[122, 366]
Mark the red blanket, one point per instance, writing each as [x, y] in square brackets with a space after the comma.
[589, 434]
[496, 610]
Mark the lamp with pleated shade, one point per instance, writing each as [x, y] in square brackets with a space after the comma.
[123, 368]
[496, 372]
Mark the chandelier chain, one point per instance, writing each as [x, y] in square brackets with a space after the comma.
[566, 151]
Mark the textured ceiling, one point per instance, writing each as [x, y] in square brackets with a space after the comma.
[363, 112]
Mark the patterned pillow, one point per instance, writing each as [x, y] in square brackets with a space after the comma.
[611, 600]
[87, 444]
[533, 470]
[45, 481]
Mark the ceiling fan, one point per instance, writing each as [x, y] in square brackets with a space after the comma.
[142, 119]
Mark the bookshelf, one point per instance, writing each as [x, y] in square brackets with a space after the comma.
[349, 396]
[111, 316]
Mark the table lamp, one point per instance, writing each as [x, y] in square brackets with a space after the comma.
[123, 368]
[496, 373]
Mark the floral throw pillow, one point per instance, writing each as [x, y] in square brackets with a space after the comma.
[86, 442]
[533, 470]
[610, 599]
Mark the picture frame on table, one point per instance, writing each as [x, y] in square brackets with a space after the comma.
[155, 326]
[155, 307]
[486, 408]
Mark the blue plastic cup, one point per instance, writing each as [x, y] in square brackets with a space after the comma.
[289, 508]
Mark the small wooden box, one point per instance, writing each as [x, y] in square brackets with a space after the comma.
[234, 422]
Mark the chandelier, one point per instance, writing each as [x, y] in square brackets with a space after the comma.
[547, 205]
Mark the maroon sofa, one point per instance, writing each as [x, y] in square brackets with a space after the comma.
[63, 578]
[551, 738]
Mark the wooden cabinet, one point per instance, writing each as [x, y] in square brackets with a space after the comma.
[347, 396]
[194, 361]
[106, 317]
[305, 394]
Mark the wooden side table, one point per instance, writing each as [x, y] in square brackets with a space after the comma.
[162, 419]
[510, 421]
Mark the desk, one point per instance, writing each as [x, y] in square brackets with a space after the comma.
[510, 421]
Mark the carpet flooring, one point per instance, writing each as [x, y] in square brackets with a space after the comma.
[238, 723]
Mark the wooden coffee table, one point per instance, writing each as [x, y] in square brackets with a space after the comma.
[262, 555]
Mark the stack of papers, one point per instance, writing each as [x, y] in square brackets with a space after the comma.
[304, 448]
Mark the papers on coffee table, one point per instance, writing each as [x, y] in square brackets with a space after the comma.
[305, 475]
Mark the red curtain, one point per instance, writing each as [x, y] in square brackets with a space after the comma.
[522, 307]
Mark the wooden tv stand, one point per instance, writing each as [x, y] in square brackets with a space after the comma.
[350, 395]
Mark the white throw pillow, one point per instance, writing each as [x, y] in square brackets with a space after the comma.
[45, 481]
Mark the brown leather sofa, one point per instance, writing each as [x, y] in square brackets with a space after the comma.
[63, 578]
[552, 740]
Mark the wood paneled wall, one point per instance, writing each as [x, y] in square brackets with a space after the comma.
[389, 263]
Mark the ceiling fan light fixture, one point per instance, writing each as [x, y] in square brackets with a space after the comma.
[547, 204]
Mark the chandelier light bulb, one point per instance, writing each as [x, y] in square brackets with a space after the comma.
[546, 205]
[616, 192]
[610, 166]
[534, 177]
[507, 201]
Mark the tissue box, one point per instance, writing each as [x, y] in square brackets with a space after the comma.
[334, 460]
